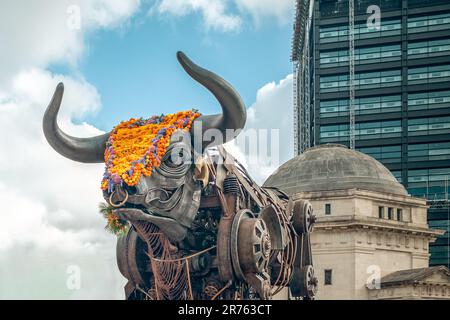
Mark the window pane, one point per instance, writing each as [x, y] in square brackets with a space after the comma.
[328, 277]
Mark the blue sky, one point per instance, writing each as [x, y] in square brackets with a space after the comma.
[136, 72]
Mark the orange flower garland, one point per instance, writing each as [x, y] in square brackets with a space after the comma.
[135, 147]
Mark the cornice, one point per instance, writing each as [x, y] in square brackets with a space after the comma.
[369, 223]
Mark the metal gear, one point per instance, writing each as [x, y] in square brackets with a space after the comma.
[304, 282]
[303, 217]
[210, 291]
[254, 245]
[132, 261]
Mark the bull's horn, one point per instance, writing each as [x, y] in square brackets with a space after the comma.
[233, 114]
[89, 150]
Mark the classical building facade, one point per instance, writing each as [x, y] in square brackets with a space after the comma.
[368, 227]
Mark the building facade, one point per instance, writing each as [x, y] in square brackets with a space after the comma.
[371, 239]
[401, 91]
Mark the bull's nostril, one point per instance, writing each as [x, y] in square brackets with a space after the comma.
[130, 189]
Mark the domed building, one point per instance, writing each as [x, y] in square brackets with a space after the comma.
[334, 167]
[371, 238]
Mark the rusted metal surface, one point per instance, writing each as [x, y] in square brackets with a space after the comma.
[256, 254]
[303, 217]
[304, 282]
[210, 202]
[234, 241]
[254, 245]
[131, 259]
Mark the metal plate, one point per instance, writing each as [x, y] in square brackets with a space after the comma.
[273, 223]
[131, 259]
[243, 214]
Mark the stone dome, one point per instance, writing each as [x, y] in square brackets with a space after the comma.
[333, 167]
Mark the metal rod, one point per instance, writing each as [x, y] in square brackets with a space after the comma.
[221, 290]
[351, 39]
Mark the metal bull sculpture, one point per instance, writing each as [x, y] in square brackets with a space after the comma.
[201, 228]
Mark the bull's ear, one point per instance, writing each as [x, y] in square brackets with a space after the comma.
[88, 150]
[233, 116]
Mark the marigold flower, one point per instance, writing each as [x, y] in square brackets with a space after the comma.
[130, 149]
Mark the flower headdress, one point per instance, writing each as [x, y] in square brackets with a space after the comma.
[135, 147]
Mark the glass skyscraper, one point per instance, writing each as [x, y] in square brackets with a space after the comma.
[402, 91]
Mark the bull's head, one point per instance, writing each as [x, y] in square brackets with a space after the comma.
[170, 197]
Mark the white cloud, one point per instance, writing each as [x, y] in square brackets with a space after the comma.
[282, 10]
[218, 14]
[272, 110]
[213, 12]
[36, 33]
[49, 204]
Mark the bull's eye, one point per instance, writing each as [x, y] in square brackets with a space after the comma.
[170, 162]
